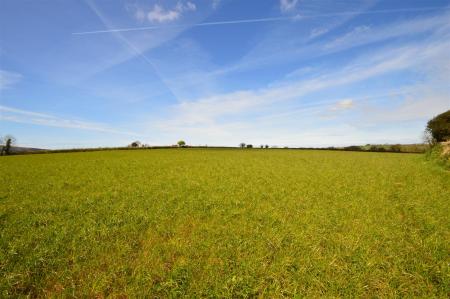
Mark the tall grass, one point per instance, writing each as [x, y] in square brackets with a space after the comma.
[440, 154]
[223, 223]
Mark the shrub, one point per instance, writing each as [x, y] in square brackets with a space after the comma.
[396, 148]
[353, 148]
[439, 127]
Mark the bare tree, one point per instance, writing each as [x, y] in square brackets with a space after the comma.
[428, 138]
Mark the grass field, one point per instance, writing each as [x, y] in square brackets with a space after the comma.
[224, 223]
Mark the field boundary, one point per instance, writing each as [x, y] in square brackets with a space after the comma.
[77, 150]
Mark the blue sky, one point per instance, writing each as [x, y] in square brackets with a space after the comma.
[88, 73]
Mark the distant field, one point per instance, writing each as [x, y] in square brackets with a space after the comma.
[224, 223]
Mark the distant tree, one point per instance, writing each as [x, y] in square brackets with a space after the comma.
[181, 143]
[261, 146]
[355, 148]
[249, 146]
[380, 148]
[7, 142]
[266, 146]
[2, 146]
[396, 148]
[242, 145]
[439, 127]
[135, 144]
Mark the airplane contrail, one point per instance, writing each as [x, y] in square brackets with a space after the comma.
[261, 20]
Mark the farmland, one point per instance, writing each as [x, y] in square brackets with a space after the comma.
[224, 223]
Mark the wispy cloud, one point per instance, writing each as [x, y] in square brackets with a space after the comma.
[419, 105]
[356, 32]
[265, 54]
[343, 105]
[278, 82]
[133, 49]
[288, 5]
[215, 3]
[208, 111]
[318, 32]
[35, 118]
[261, 20]
[327, 105]
[365, 34]
[424, 99]
[204, 24]
[8, 79]
[104, 53]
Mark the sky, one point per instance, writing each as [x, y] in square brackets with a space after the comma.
[298, 73]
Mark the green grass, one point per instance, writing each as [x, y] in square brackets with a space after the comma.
[224, 223]
[439, 154]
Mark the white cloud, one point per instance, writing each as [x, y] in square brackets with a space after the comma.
[343, 105]
[30, 117]
[160, 14]
[215, 4]
[288, 5]
[189, 6]
[7, 79]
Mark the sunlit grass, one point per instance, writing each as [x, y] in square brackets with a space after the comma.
[224, 223]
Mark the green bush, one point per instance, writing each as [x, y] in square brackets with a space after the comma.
[352, 148]
[439, 127]
[396, 148]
